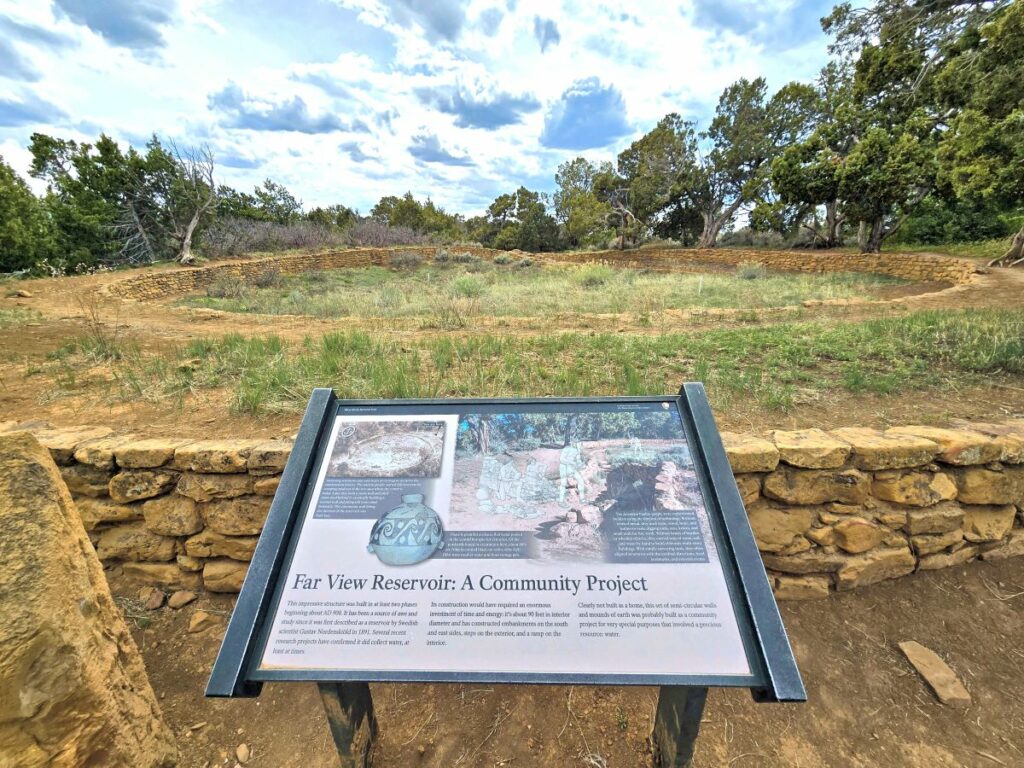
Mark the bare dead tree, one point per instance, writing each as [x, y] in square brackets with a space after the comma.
[194, 195]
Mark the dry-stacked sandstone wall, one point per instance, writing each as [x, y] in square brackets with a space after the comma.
[829, 510]
[175, 281]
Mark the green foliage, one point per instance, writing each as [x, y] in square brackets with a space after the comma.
[26, 231]
[407, 211]
[579, 210]
[519, 221]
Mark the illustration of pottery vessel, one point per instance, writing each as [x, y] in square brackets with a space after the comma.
[408, 534]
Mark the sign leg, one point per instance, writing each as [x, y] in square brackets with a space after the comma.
[676, 724]
[349, 709]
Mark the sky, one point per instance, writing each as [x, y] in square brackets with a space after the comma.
[345, 101]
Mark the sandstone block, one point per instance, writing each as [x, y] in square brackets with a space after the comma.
[873, 450]
[988, 486]
[172, 515]
[823, 537]
[267, 486]
[874, 566]
[817, 486]
[270, 456]
[947, 559]
[203, 620]
[148, 453]
[957, 446]
[99, 452]
[802, 587]
[914, 488]
[1014, 547]
[161, 574]
[929, 545]
[224, 575]
[1009, 438]
[749, 454]
[189, 563]
[207, 487]
[983, 523]
[138, 484]
[937, 674]
[74, 686]
[813, 561]
[775, 529]
[209, 543]
[243, 516]
[856, 535]
[96, 511]
[218, 456]
[811, 448]
[62, 442]
[941, 518]
[133, 541]
[181, 598]
[85, 480]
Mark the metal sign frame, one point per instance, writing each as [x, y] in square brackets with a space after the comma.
[774, 674]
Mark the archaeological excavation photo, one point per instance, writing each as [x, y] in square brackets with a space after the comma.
[500, 384]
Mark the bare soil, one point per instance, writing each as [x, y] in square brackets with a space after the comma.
[867, 706]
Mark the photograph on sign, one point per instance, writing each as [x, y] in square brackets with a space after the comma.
[573, 540]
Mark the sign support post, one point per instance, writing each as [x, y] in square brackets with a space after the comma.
[353, 724]
[676, 724]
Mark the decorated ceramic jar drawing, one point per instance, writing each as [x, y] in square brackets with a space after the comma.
[408, 534]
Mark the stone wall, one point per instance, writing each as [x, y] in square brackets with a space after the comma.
[175, 281]
[830, 510]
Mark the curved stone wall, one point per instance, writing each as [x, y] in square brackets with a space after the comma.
[162, 283]
[830, 511]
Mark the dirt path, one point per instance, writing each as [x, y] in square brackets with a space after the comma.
[867, 706]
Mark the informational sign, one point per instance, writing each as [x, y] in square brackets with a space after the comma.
[508, 539]
[590, 540]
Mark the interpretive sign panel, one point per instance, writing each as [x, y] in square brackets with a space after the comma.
[590, 540]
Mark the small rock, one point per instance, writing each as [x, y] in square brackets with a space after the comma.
[181, 598]
[201, 621]
[154, 600]
[937, 674]
[242, 753]
[21, 293]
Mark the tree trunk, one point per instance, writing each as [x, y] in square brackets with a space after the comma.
[833, 221]
[862, 234]
[185, 255]
[1015, 254]
[875, 235]
[709, 234]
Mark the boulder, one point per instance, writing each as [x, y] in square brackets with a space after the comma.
[749, 454]
[96, 511]
[811, 448]
[956, 446]
[776, 529]
[817, 486]
[983, 523]
[243, 516]
[138, 484]
[207, 487]
[940, 518]
[85, 480]
[856, 535]
[802, 587]
[224, 575]
[873, 450]
[148, 453]
[74, 686]
[978, 485]
[133, 541]
[217, 456]
[874, 566]
[913, 488]
[209, 543]
[172, 515]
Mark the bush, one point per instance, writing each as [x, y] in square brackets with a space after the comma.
[376, 234]
[595, 275]
[502, 259]
[523, 263]
[468, 286]
[465, 258]
[751, 270]
[227, 237]
[268, 278]
[405, 260]
[226, 288]
[442, 256]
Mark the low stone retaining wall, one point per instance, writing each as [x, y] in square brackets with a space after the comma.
[179, 281]
[830, 510]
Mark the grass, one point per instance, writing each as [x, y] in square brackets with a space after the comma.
[484, 289]
[774, 367]
[12, 316]
[982, 249]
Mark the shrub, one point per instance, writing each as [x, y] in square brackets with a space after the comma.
[523, 263]
[502, 259]
[595, 275]
[376, 234]
[226, 288]
[268, 278]
[235, 236]
[388, 297]
[441, 256]
[751, 270]
[465, 258]
[405, 260]
[468, 286]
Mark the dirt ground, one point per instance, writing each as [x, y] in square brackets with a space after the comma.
[68, 305]
[867, 706]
